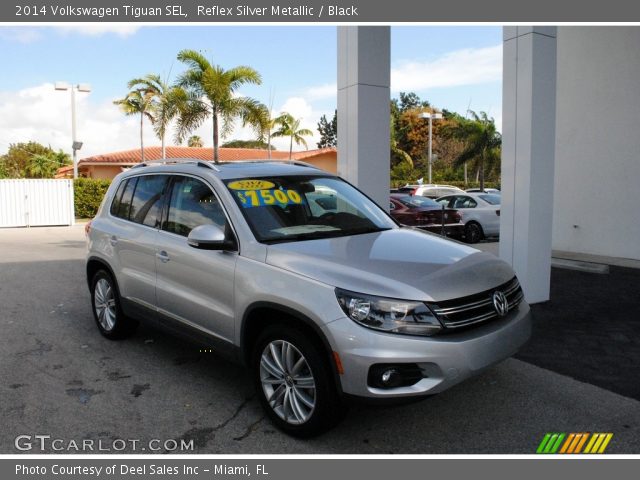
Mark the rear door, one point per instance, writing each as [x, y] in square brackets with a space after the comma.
[136, 212]
[195, 286]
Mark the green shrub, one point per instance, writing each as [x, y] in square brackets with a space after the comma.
[87, 195]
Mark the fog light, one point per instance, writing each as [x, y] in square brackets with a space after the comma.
[394, 375]
[390, 377]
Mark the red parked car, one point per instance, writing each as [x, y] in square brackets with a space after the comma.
[424, 213]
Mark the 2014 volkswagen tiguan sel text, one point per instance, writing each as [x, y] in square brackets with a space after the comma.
[296, 273]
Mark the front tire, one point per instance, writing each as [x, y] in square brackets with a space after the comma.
[107, 311]
[294, 382]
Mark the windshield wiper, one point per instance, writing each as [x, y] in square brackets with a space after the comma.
[324, 234]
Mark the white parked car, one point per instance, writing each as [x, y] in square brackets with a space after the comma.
[486, 190]
[430, 190]
[480, 213]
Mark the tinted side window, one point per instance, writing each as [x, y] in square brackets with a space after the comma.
[147, 200]
[115, 205]
[192, 204]
[122, 204]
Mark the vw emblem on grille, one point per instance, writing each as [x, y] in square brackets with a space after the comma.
[500, 303]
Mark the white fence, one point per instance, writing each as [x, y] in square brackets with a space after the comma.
[33, 202]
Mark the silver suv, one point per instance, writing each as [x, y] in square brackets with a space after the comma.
[299, 275]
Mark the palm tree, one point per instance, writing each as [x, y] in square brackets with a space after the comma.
[195, 141]
[482, 143]
[137, 102]
[212, 91]
[41, 166]
[290, 127]
[396, 153]
[265, 123]
[164, 101]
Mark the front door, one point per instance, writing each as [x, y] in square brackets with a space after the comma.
[195, 286]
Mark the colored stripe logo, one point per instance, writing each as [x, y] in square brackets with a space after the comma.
[592, 443]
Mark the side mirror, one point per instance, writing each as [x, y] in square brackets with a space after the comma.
[208, 237]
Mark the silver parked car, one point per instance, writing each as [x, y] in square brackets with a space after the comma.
[480, 213]
[296, 273]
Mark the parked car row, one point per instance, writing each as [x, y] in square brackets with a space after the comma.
[472, 215]
[427, 214]
[480, 214]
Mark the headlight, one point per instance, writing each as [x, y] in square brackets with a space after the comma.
[388, 314]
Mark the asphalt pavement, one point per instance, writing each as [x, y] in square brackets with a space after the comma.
[60, 377]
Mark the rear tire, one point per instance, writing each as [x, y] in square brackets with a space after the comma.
[473, 232]
[107, 311]
[294, 382]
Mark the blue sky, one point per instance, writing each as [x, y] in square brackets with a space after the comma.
[452, 67]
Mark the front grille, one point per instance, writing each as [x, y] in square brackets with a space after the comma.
[478, 308]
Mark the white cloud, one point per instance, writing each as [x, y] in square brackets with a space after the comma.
[469, 66]
[43, 114]
[20, 34]
[296, 106]
[318, 92]
[99, 29]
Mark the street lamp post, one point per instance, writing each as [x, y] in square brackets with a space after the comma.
[75, 145]
[431, 116]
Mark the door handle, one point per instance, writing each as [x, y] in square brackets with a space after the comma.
[163, 256]
[113, 240]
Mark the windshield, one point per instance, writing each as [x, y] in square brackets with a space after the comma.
[493, 199]
[290, 208]
[412, 201]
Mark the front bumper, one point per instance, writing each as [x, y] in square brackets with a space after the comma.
[445, 360]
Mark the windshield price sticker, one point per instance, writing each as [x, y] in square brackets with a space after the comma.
[260, 198]
[251, 185]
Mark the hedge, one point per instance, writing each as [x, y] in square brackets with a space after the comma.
[87, 195]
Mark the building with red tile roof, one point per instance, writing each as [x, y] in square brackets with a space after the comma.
[108, 165]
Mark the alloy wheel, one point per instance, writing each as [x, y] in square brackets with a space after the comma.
[287, 382]
[105, 304]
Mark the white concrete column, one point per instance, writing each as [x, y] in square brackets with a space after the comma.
[363, 109]
[528, 155]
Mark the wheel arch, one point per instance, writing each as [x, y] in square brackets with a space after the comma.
[259, 315]
[93, 265]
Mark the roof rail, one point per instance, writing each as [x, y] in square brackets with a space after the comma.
[174, 161]
[266, 160]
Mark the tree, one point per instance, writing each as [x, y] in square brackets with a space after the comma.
[211, 91]
[290, 127]
[41, 166]
[255, 144]
[18, 161]
[482, 143]
[163, 103]
[410, 101]
[138, 102]
[195, 141]
[397, 155]
[328, 131]
[265, 123]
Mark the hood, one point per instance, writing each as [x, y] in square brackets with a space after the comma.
[399, 263]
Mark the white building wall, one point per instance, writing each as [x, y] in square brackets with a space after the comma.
[597, 170]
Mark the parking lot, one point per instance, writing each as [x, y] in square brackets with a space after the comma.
[60, 377]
